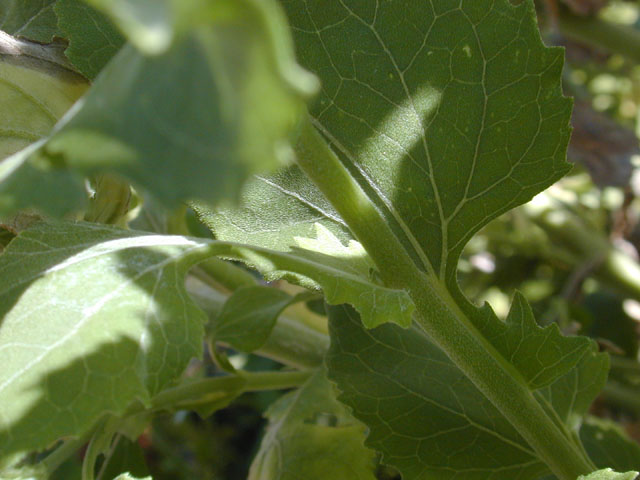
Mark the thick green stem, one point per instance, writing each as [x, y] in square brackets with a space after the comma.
[438, 313]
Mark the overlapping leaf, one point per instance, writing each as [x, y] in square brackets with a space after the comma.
[95, 317]
[36, 88]
[213, 106]
[311, 435]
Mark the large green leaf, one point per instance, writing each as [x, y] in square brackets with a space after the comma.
[414, 399]
[93, 318]
[31, 19]
[311, 435]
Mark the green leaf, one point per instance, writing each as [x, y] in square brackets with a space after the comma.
[609, 446]
[414, 399]
[31, 19]
[310, 435]
[344, 274]
[216, 106]
[93, 40]
[93, 318]
[248, 316]
[285, 202]
[608, 474]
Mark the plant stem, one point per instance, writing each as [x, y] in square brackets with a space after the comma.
[438, 313]
[229, 385]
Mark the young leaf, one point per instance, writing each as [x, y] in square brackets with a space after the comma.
[310, 435]
[33, 20]
[423, 413]
[93, 40]
[248, 316]
[93, 318]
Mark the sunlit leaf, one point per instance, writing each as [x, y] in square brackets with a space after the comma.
[311, 435]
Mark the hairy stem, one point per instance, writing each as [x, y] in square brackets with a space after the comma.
[438, 313]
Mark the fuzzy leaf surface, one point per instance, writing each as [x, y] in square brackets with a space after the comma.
[93, 318]
[414, 399]
[311, 435]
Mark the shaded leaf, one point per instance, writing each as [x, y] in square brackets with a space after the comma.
[311, 435]
[36, 88]
[609, 446]
[33, 19]
[414, 399]
[248, 316]
[93, 40]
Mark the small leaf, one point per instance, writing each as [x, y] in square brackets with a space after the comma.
[93, 318]
[248, 316]
[33, 19]
[608, 474]
[310, 435]
[93, 40]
